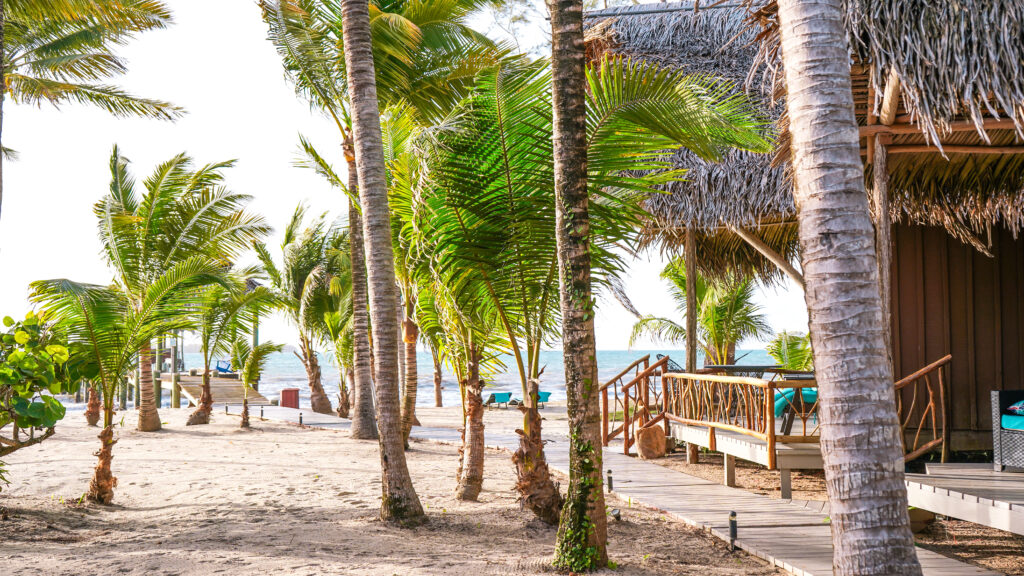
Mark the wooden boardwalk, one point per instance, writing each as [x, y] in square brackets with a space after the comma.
[972, 492]
[794, 537]
[224, 390]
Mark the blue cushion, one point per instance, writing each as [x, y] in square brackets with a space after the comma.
[784, 397]
[543, 396]
[499, 398]
[1017, 408]
[1013, 422]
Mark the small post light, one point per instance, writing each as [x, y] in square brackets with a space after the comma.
[610, 486]
[300, 418]
[225, 408]
[732, 531]
[616, 514]
[261, 412]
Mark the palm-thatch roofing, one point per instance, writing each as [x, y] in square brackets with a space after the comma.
[960, 67]
[744, 189]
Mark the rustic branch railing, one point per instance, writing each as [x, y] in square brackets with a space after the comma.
[629, 403]
[921, 404]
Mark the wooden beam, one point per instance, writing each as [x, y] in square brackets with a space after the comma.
[772, 255]
[955, 149]
[890, 99]
[690, 261]
[883, 237]
[958, 126]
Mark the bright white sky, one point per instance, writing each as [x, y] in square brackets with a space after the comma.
[216, 62]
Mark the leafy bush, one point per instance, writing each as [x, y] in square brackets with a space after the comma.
[34, 366]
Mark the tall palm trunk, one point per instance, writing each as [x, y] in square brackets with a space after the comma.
[101, 488]
[3, 92]
[205, 408]
[321, 404]
[399, 500]
[859, 427]
[537, 490]
[437, 377]
[364, 422]
[149, 416]
[410, 334]
[583, 526]
[471, 475]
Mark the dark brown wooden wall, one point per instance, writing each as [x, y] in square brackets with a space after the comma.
[948, 298]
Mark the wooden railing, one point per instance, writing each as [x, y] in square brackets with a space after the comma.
[738, 404]
[629, 398]
[921, 404]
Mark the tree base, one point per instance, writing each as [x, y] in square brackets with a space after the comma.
[537, 491]
[101, 489]
[200, 416]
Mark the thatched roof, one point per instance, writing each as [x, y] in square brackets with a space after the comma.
[744, 189]
[944, 70]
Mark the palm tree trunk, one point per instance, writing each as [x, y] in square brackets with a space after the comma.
[410, 334]
[92, 409]
[101, 488]
[205, 408]
[399, 500]
[3, 92]
[345, 395]
[318, 399]
[859, 427]
[245, 413]
[149, 417]
[582, 529]
[536, 489]
[471, 476]
[437, 378]
[364, 422]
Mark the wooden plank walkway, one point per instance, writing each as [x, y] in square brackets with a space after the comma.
[224, 390]
[794, 537]
[972, 492]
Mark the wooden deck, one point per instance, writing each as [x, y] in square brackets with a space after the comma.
[972, 492]
[734, 445]
[796, 538]
[225, 390]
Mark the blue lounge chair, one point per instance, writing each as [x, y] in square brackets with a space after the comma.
[542, 398]
[223, 366]
[498, 398]
[784, 397]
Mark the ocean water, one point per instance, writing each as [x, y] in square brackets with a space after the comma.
[285, 370]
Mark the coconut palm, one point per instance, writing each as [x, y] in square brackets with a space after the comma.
[61, 51]
[177, 213]
[223, 314]
[792, 351]
[301, 289]
[424, 54]
[250, 361]
[112, 325]
[485, 211]
[860, 433]
[726, 315]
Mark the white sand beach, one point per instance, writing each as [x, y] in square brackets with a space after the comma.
[280, 499]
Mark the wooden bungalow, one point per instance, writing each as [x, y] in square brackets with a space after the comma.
[942, 132]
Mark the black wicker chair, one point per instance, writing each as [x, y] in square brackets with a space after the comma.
[1007, 444]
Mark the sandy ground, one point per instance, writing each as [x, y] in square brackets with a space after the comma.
[286, 500]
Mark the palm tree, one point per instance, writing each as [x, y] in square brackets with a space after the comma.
[112, 326]
[250, 362]
[860, 433]
[792, 351]
[726, 315]
[59, 51]
[582, 530]
[399, 501]
[222, 315]
[301, 289]
[179, 213]
[484, 215]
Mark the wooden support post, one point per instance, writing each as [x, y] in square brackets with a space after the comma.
[604, 417]
[883, 235]
[175, 390]
[786, 484]
[256, 342]
[123, 393]
[138, 382]
[692, 453]
[158, 390]
[730, 470]
[773, 256]
[690, 261]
